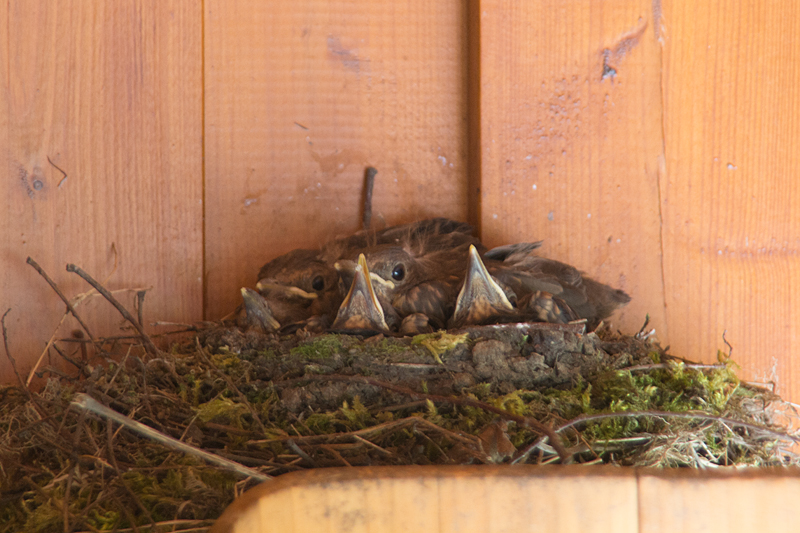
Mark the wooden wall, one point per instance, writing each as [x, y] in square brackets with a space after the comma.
[652, 143]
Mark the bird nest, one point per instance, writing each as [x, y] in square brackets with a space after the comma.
[146, 439]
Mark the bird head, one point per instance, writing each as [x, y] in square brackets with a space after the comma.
[299, 285]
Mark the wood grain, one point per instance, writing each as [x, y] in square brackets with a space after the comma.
[518, 498]
[440, 499]
[571, 140]
[110, 92]
[731, 205]
[300, 96]
[724, 501]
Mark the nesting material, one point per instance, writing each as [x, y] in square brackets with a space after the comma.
[267, 405]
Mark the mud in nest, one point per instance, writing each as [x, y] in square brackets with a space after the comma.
[265, 405]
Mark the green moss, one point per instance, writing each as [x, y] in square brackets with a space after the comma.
[388, 346]
[357, 416]
[320, 348]
[225, 360]
[675, 388]
[512, 403]
[45, 518]
[384, 416]
[269, 353]
[174, 492]
[439, 343]
[225, 408]
[106, 519]
[321, 423]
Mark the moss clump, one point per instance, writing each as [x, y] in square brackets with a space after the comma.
[224, 410]
[319, 348]
[440, 342]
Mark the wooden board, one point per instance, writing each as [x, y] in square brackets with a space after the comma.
[520, 498]
[731, 203]
[721, 501]
[110, 93]
[571, 140]
[439, 499]
[300, 96]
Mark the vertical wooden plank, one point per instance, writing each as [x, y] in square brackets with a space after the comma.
[301, 95]
[732, 201]
[110, 92]
[571, 140]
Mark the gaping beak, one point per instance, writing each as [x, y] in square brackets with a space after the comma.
[361, 309]
[270, 287]
[258, 313]
[481, 298]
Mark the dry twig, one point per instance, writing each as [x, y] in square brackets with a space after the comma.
[87, 403]
[151, 348]
[524, 421]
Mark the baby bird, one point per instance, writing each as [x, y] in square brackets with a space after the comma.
[299, 285]
[304, 283]
[416, 285]
[516, 285]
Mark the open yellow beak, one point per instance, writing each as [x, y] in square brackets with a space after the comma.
[481, 299]
[361, 308]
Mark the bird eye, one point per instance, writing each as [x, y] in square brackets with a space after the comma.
[318, 283]
[398, 272]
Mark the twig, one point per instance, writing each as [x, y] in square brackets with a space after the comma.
[189, 327]
[526, 421]
[64, 299]
[46, 348]
[369, 183]
[117, 338]
[474, 452]
[336, 454]
[128, 515]
[231, 385]
[120, 366]
[470, 440]
[202, 526]
[140, 306]
[80, 366]
[665, 366]
[11, 359]
[67, 490]
[112, 456]
[48, 497]
[76, 440]
[75, 302]
[372, 445]
[522, 455]
[299, 451]
[387, 427]
[667, 414]
[642, 334]
[81, 518]
[87, 403]
[256, 460]
[730, 348]
[149, 346]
